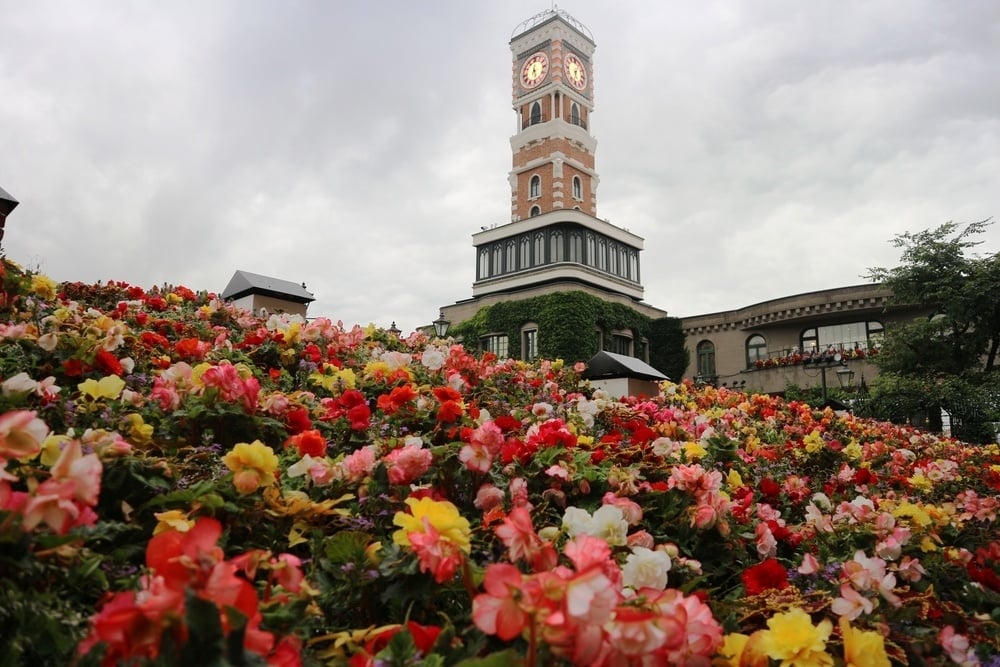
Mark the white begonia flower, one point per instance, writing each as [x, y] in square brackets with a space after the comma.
[646, 568]
[22, 382]
[48, 342]
[577, 521]
[609, 523]
[432, 359]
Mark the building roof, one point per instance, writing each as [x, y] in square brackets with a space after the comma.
[243, 283]
[7, 203]
[608, 365]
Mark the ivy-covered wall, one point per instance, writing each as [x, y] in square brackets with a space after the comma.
[566, 322]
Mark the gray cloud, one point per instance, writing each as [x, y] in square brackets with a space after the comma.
[760, 148]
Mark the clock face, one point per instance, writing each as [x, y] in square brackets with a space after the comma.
[534, 70]
[575, 72]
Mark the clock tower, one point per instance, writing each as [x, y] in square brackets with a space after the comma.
[553, 97]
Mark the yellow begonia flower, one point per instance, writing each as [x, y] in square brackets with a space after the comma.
[332, 378]
[585, 440]
[172, 520]
[109, 387]
[920, 482]
[916, 514]
[792, 639]
[440, 514]
[694, 451]
[253, 464]
[734, 479]
[814, 442]
[140, 432]
[862, 648]
[732, 650]
[52, 449]
[43, 286]
[853, 450]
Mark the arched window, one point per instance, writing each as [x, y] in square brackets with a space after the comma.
[575, 247]
[574, 114]
[536, 113]
[539, 246]
[705, 353]
[602, 255]
[535, 210]
[756, 350]
[510, 258]
[612, 259]
[556, 251]
[535, 186]
[497, 267]
[525, 253]
[484, 263]
[577, 188]
[591, 249]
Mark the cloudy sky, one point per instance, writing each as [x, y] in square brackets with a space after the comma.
[761, 148]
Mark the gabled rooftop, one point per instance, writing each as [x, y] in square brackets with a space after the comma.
[607, 365]
[244, 283]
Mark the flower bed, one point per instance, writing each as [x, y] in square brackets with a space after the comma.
[185, 482]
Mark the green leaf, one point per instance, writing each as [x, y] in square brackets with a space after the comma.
[508, 658]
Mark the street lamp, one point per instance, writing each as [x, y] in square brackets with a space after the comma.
[441, 325]
[844, 375]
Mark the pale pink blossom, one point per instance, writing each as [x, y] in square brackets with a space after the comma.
[21, 434]
[359, 464]
[489, 436]
[851, 603]
[475, 457]
[631, 510]
[958, 647]
[83, 471]
[407, 464]
[810, 565]
[488, 496]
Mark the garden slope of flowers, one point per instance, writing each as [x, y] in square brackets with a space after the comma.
[183, 482]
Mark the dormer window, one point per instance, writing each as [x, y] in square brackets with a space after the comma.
[535, 187]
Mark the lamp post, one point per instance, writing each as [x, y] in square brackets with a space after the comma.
[441, 325]
[845, 376]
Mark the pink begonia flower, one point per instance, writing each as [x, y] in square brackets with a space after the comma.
[641, 538]
[21, 434]
[557, 471]
[631, 510]
[359, 464]
[910, 569]
[406, 464]
[767, 546]
[851, 603]
[83, 471]
[488, 496]
[497, 611]
[957, 647]
[519, 492]
[476, 458]
[591, 597]
[51, 503]
[810, 564]
[489, 436]
[634, 633]
[702, 634]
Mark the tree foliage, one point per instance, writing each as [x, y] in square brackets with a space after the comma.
[939, 270]
[947, 361]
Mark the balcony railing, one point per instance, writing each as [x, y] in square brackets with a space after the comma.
[794, 357]
[537, 120]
